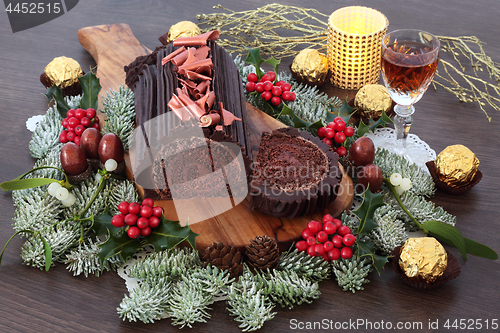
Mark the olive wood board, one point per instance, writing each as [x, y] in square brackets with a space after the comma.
[113, 46]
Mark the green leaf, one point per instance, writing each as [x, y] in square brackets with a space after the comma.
[297, 121]
[55, 93]
[91, 88]
[21, 184]
[448, 233]
[120, 244]
[367, 249]
[255, 59]
[382, 121]
[344, 111]
[48, 253]
[169, 234]
[480, 250]
[371, 201]
[273, 62]
[102, 224]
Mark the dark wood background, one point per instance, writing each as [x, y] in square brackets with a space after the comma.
[55, 301]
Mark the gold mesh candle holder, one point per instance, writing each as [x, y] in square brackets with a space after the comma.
[354, 41]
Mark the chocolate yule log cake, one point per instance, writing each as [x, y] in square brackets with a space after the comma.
[197, 82]
[295, 174]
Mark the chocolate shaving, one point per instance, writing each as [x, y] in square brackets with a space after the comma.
[199, 40]
[169, 57]
[209, 119]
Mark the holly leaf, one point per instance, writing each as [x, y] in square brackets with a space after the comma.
[169, 234]
[382, 121]
[255, 59]
[371, 201]
[54, 93]
[448, 233]
[102, 224]
[344, 111]
[91, 87]
[367, 249]
[273, 62]
[120, 244]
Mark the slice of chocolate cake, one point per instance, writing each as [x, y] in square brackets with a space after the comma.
[295, 174]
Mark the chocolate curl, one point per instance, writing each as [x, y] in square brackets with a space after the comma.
[211, 99]
[177, 107]
[202, 52]
[191, 56]
[227, 117]
[192, 107]
[194, 76]
[179, 59]
[197, 64]
[170, 56]
[203, 101]
[205, 70]
[201, 88]
[209, 119]
[197, 40]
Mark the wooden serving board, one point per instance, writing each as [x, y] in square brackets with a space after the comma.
[114, 46]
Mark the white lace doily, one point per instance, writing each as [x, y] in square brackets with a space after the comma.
[123, 271]
[420, 151]
[33, 122]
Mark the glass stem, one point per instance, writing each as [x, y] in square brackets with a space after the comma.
[402, 122]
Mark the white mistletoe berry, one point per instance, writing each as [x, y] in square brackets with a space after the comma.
[110, 165]
[69, 201]
[405, 184]
[62, 194]
[396, 179]
[52, 188]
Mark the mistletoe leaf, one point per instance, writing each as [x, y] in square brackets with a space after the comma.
[480, 250]
[48, 253]
[367, 249]
[21, 184]
[381, 122]
[344, 111]
[91, 87]
[55, 93]
[255, 59]
[169, 234]
[448, 233]
[371, 201]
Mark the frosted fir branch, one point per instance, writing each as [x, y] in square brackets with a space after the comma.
[249, 304]
[351, 273]
[60, 238]
[188, 303]
[169, 263]
[35, 209]
[288, 288]
[147, 302]
[391, 231]
[124, 191]
[120, 114]
[314, 268]
[213, 281]
[46, 134]
[389, 163]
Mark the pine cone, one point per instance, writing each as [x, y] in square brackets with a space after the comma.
[226, 257]
[263, 253]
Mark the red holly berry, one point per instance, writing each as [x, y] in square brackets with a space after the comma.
[65, 122]
[321, 132]
[130, 219]
[79, 129]
[71, 135]
[339, 137]
[329, 227]
[145, 232]
[346, 252]
[311, 250]
[148, 202]
[266, 95]
[275, 100]
[265, 77]
[337, 222]
[63, 137]
[96, 126]
[154, 221]
[133, 232]
[77, 140]
[329, 133]
[334, 254]
[268, 85]
[276, 91]
[337, 119]
[337, 241]
[328, 246]
[306, 233]
[311, 241]
[322, 236]
[286, 95]
[259, 87]
[325, 256]
[70, 113]
[252, 77]
[90, 113]
[80, 113]
[292, 96]
[327, 218]
[339, 126]
[330, 125]
[134, 208]
[250, 86]
[286, 86]
[73, 121]
[146, 211]
[272, 76]
[301, 246]
[279, 83]
[342, 151]
[319, 250]
[329, 142]
[157, 211]
[314, 226]
[349, 240]
[349, 131]
[344, 230]
[123, 207]
[86, 122]
[118, 221]
[142, 222]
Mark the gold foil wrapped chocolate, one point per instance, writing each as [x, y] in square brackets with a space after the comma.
[371, 100]
[63, 71]
[310, 66]
[182, 29]
[456, 165]
[423, 257]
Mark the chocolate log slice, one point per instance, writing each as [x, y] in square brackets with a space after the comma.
[295, 174]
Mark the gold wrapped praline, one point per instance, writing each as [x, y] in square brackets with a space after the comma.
[456, 165]
[182, 29]
[423, 257]
[310, 66]
[371, 100]
[63, 71]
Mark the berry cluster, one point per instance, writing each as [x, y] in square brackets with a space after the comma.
[400, 184]
[329, 239]
[58, 191]
[139, 219]
[76, 122]
[335, 133]
[270, 92]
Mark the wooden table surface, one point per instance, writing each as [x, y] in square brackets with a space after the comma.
[55, 301]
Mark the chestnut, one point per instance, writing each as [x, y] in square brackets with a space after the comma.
[371, 175]
[73, 159]
[362, 151]
[90, 142]
[111, 146]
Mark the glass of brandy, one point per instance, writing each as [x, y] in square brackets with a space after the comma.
[409, 61]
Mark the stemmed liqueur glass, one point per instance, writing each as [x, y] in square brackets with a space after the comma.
[409, 61]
